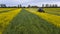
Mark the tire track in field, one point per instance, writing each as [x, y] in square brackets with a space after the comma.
[28, 23]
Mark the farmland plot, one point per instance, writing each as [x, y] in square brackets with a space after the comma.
[29, 23]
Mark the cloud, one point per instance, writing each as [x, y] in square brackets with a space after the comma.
[40, 2]
[31, 2]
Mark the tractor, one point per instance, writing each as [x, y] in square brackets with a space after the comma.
[41, 10]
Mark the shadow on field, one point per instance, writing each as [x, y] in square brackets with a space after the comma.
[28, 23]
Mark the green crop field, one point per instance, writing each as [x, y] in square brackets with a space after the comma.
[29, 21]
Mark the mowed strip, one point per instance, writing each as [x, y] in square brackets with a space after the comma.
[54, 19]
[28, 23]
[5, 18]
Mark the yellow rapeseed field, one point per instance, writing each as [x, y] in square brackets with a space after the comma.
[6, 17]
[54, 19]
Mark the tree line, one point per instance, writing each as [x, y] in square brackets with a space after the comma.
[50, 5]
[29, 6]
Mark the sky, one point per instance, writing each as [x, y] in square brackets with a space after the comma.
[29, 2]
